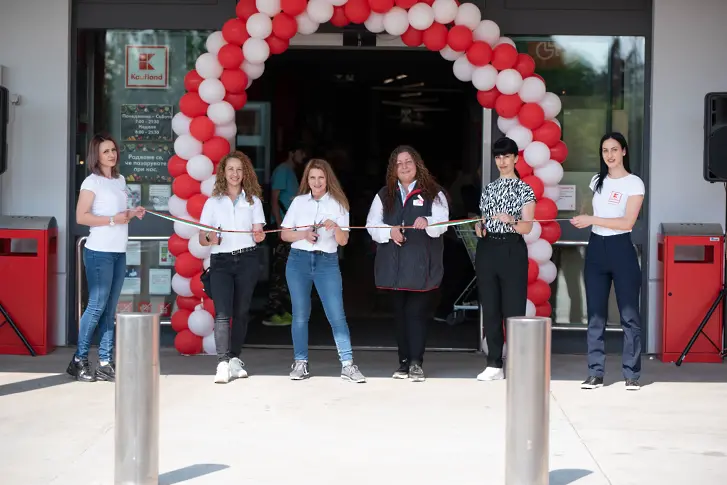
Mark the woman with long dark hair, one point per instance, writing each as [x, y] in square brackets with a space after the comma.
[409, 261]
[501, 263]
[235, 262]
[611, 258]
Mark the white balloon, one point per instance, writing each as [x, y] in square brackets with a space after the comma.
[505, 40]
[187, 146]
[200, 167]
[201, 323]
[520, 135]
[396, 21]
[506, 124]
[208, 67]
[534, 233]
[537, 154]
[227, 131]
[215, 42]
[252, 70]
[206, 263]
[320, 11]
[221, 113]
[532, 90]
[177, 206]
[180, 124]
[550, 173]
[529, 309]
[552, 192]
[421, 16]
[450, 54]
[509, 81]
[445, 11]
[485, 78]
[469, 15]
[259, 25]
[463, 69]
[375, 23]
[256, 50]
[269, 7]
[249, 82]
[211, 91]
[208, 186]
[487, 31]
[551, 105]
[306, 25]
[197, 250]
[208, 344]
[180, 285]
[547, 272]
[338, 3]
[540, 251]
[184, 231]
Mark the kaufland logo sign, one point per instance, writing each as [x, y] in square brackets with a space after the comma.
[147, 66]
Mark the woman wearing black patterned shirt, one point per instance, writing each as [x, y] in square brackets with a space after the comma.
[502, 255]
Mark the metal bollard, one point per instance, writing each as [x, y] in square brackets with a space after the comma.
[136, 427]
[528, 401]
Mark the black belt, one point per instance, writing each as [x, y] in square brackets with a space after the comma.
[503, 236]
[237, 251]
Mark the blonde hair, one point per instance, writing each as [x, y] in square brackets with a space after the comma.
[250, 184]
[333, 186]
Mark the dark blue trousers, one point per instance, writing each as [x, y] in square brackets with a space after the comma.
[613, 259]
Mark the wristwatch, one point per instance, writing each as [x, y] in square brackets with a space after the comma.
[111, 221]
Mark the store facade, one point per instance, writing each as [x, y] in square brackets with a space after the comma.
[609, 61]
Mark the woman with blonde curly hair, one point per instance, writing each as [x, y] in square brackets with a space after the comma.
[234, 263]
[317, 222]
[409, 261]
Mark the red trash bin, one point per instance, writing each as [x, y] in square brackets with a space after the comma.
[28, 295]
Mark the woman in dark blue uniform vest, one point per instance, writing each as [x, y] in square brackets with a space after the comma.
[409, 253]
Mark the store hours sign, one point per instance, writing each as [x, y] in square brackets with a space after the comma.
[146, 142]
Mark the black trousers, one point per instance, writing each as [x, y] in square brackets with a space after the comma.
[412, 310]
[613, 259]
[233, 279]
[501, 264]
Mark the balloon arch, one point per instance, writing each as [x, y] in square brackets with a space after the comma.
[205, 124]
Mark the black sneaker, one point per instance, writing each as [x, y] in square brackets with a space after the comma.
[592, 382]
[416, 373]
[632, 385]
[403, 371]
[80, 370]
[106, 372]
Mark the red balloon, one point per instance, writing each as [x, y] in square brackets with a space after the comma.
[479, 53]
[435, 37]
[459, 38]
[504, 56]
[531, 116]
[236, 100]
[412, 37]
[508, 105]
[284, 26]
[559, 152]
[234, 80]
[534, 182]
[230, 56]
[235, 32]
[177, 245]
[277, 45]
[192, 80]
[188, 343]
[179, 320]
[538, 292]
[185, 186]
[187, 302]
[187, 265]
[176, 166]
[209, 305]
[192, 105]
[195, 204]
[525, 65]
[216, 148]
[197, 288]
[543, 310]
[428, 2]
[522, 167]
[533, 270]
[339, 18]
[381, 6]
[357, 11]
[550, 231]
[548, 133]
[406, 4]
[292, 7]
[488, 99]
[202, 128]
[538, 76]
[545, 209]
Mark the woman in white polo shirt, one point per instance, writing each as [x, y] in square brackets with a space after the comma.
[610, 257]
[234, 262]
[313, 260]
[102, 205]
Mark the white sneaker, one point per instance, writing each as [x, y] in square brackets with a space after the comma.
[491, 374]
[223, 373]
[237, 370]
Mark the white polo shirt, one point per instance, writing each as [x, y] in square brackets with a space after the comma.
[220, 211]
[305, 210]
[610, 203]
[110, 199]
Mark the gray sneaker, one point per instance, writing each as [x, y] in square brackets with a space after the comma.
[300, 370]
[350, 372]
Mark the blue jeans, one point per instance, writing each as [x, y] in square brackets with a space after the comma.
[307, 268]
[105, 274]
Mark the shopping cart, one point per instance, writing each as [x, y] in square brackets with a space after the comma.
[464, 303]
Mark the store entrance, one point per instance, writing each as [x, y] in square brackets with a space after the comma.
[353, 107]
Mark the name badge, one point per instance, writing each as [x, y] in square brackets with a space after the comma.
[418, 202]
[615, 198]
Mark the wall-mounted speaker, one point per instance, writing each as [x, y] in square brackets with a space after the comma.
[715, 137]
[4, 120]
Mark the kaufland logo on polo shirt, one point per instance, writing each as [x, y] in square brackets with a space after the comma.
[147, 67]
